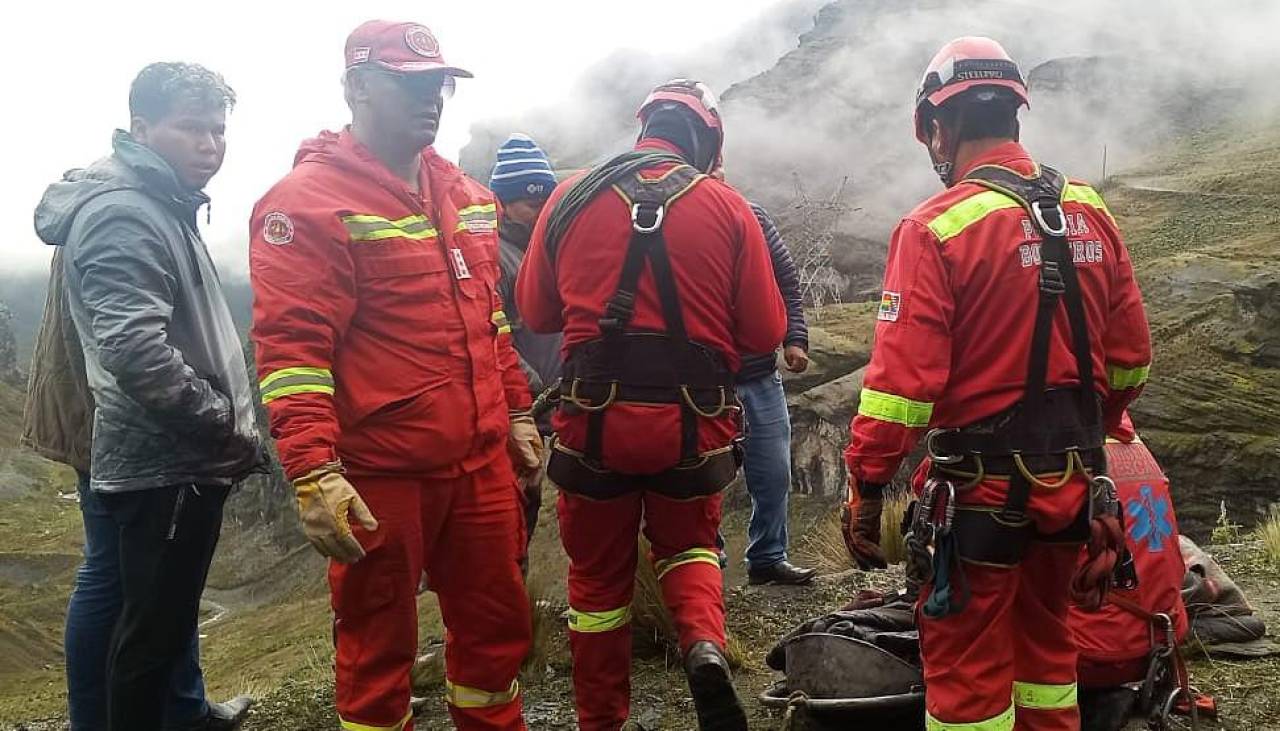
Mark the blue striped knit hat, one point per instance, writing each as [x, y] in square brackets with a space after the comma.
[522, 170]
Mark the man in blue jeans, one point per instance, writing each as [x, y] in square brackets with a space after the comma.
[768, 435]
[91, 617]
[57, 424]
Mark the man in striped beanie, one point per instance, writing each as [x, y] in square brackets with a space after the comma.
[522, 180]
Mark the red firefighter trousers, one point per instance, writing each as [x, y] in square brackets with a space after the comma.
[466, 533]
[1008, 660]
[600, 538]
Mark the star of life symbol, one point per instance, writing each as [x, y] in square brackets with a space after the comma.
[1150, 519]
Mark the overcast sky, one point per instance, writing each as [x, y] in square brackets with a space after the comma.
[69, 65]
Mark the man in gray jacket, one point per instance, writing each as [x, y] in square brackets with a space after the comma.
[173, 423]
[56, 424]
[522, 180]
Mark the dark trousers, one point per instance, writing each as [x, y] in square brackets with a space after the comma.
[167, 539]
[92, 614]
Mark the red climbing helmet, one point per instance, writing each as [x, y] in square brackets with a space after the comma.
[694, 95]
[965, 64]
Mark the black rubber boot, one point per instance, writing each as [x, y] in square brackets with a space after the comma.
[711, 683]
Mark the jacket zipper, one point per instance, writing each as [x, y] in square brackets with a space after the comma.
[177, 513]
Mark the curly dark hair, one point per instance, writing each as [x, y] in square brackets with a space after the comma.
[161, 85]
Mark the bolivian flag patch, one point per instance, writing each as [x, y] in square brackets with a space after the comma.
[890, 306]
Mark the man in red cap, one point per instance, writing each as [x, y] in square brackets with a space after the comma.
[1012, 326]
[394, 393]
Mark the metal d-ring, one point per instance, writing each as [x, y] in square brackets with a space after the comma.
[688, 399]
[658, 213]
[577, 401]
[1038, 212]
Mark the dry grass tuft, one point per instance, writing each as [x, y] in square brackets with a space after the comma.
[546, 620]
[896, 501]
[824, 549]
[655, 631]
[1268, 533]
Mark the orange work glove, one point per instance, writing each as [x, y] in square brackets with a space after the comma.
[525, 446]
[860, 524]
[324, 500]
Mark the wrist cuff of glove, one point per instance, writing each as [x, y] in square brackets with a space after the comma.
[521, 416]
[315, 474]
[871, 490]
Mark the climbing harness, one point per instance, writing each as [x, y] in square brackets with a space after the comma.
[627, 365]
[1051, 437]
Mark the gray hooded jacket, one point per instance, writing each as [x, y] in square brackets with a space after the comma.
[163, 359]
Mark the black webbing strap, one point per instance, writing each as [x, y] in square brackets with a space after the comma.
[648, 200]
[665, 280]
[1041, 196]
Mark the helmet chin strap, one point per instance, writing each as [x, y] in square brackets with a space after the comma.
[944, 170]
[946, 167]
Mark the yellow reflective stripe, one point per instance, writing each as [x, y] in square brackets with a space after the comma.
[478, 218]
[353, 726]
[483, 208]
[953, 221]
[1088, 196]
[361, 227]
[592, 622]
[893, 408]
[401, 222]
[290, 381]
[461, 696]
[1122, 378]
[283, 391]
[693, 555]
[1043, 696]
[500, 321]
[1002, 722]
[323, 374]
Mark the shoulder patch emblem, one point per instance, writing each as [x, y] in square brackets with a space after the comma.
[890, 306]
[277, 229]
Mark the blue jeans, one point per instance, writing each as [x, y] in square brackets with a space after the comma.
[91, 618]
[767, 467]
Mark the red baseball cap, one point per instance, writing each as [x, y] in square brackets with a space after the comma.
[406, 48]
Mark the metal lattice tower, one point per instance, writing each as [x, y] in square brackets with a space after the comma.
[810, 240]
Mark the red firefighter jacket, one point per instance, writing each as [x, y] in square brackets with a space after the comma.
[959, 306]
[378, 330]
[728, 297]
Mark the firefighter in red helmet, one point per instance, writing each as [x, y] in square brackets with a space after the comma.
[659, 276]
[1011, 330]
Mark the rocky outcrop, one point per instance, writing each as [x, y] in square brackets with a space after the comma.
[820, 432]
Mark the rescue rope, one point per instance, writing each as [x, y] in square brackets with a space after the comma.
[1092, 581]
[590, 185]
